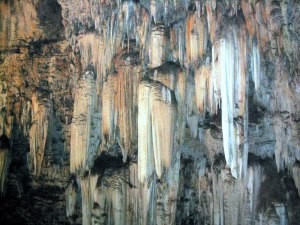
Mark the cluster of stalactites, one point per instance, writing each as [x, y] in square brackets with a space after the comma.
[233, 74]
[157, 48]
[196, 37]
[130, 22]
[82, 124]
[119, 103]
[40, 131]
[224, 84]
[236, 201]
[156, 127]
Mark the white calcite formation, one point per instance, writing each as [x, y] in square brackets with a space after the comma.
[40, 131]
[232, 53]
[156, 121]
[255, 66]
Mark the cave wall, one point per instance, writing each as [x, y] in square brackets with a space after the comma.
[149, 112]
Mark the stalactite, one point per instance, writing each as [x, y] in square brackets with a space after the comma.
[196, 37]
[233, 93]
[157, 106]
[213, 19]
[235, 201]
[285, 156]
[90, 49]
[40, 131]
[82, 124]
[202, 85]
[157, 48]
[119, 102]
[108, 110]
[145, 146]
[255, 66]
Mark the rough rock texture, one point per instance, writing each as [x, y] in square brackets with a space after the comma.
[149, 112]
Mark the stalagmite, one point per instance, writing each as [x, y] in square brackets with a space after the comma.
[156, 118]
[40, 131]
[81, 127]
[4, 161]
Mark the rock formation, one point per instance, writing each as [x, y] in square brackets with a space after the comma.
[149, 112]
